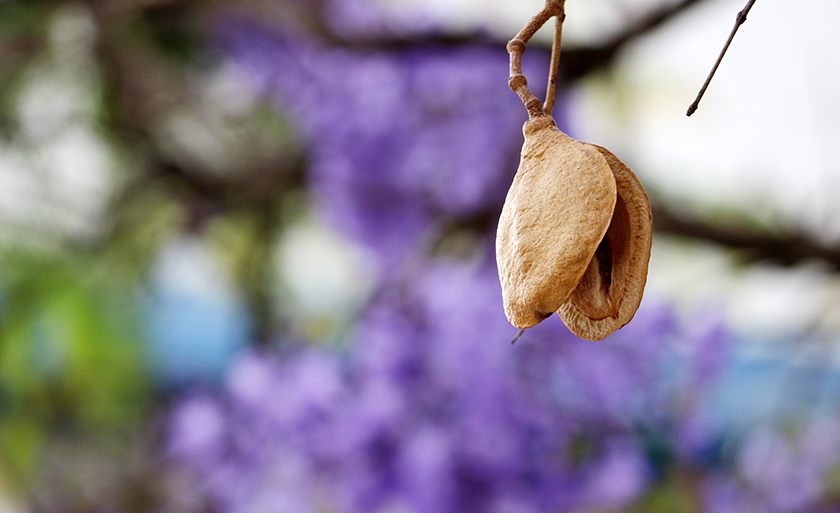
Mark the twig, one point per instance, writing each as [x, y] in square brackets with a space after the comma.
[739, 20]
[516, 47]
[550, 93]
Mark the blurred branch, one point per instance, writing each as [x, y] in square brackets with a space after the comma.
[146, 87]
[787, 250]
[576, 63]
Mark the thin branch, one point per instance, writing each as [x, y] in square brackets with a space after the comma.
[516, 47]
[553, 73]
[739, 20]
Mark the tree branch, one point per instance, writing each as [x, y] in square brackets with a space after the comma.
[576, 63]
[739, 20]
[787, 250]
[516, 47]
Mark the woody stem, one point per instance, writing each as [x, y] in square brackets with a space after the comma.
[555, 60]
[739, 20]
[516, 47]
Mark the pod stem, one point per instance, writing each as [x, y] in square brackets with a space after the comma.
[516, 47]
[554, 72]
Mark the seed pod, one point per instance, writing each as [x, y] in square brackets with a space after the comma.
[611, 289]
[574, 235]
[555, 215]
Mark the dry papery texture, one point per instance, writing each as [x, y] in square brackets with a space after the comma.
[556, 212]
[611, 289]
[574, 235]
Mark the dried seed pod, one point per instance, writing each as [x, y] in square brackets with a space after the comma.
[575, 231]
[611, 289]
[555, 215]
[574, 235]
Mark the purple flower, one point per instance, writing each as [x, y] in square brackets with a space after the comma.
[197, 428]
[722, 494]
[788, 475]
[428, 407]
[619, 477]
[396, 139]
[433, 410]
[777, 473]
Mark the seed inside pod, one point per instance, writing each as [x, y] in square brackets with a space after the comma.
[556, 214]
[610, 291]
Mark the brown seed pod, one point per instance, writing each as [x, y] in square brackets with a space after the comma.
[574, 235]
[611, 289]
[555, 215]
[575, 231]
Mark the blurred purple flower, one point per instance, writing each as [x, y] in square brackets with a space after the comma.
[197, 428]
[619, 478]
[788, 475]
[721, 494]
[433, 410]
[354, 18]
[708, 349]
[396, 139]
[430, 409]
[776, 473]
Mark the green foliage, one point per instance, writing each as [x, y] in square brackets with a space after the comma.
[22, 17]
[70, 357]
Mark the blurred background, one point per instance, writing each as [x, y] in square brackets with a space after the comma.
[247, 263]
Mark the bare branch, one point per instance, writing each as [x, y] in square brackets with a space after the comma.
[739, 20]
[553, 73]
[516, 47]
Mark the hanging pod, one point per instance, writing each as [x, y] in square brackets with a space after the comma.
[574, 235]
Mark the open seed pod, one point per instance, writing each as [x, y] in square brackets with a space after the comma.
[610, 291]
[574, 235]
[555, 215]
